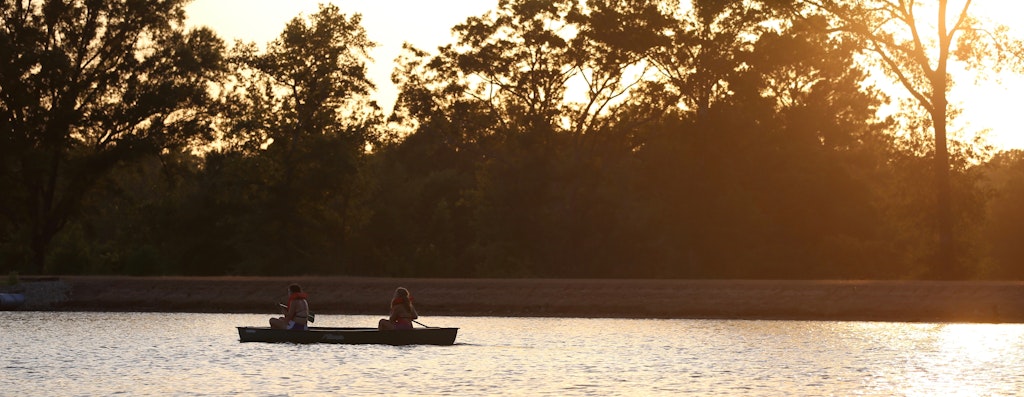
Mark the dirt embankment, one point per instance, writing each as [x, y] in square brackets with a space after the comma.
[745, 299]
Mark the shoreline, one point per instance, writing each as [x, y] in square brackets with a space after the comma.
[900, 301]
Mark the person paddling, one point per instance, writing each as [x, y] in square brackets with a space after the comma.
[296, 313]
[402, 312]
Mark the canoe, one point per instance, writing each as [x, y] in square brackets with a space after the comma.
[11, 301]
[350, 336]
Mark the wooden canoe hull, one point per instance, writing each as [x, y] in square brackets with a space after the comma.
[350, 336]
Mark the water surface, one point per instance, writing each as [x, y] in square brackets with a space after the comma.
[89, 354]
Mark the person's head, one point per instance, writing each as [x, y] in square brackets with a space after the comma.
[401, 292]
[294, 288]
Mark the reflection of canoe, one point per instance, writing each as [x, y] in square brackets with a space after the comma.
[351, 336]
[11, 301]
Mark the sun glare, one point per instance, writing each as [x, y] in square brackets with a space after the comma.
[961, 351]
[978, 343]
[988, 106]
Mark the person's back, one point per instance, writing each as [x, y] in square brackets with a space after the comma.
[300, 316]
[402, 312]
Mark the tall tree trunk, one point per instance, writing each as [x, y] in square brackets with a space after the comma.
[946, 264]
[39, 247]
[44, 225]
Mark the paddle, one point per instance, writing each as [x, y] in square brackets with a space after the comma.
[310, 315]
[421, 324]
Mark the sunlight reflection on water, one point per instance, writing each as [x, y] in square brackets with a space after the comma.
[199, 354]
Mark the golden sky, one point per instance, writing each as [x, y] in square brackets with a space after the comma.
[992, 105]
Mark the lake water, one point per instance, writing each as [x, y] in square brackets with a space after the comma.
[99, 354]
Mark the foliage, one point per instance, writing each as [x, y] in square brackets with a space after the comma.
[915, 42]
[87, 85]
[303, 148]
[606, 138]
[1004, 215]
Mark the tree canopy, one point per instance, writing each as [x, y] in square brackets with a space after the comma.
[568, 138]
[84, 86]
[915, 42]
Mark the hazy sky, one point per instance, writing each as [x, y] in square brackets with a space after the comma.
[427, 24]
[424, 23]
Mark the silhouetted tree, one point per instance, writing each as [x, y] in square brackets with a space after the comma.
[526, 153]
[914, 42]
[301, 108]
[85, 86]
[1004, 175]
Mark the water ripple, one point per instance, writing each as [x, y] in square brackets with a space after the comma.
[199, 355]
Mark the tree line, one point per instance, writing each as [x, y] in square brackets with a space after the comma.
[551, 138]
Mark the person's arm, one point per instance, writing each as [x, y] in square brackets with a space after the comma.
[394, 315]
[292, 309]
